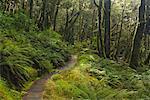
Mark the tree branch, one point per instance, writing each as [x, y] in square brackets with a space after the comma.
[76, 14]
[76, 17]
[96, 4]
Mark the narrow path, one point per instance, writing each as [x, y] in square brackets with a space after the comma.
[37, 89]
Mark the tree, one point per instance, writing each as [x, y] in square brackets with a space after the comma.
[135, 58]
[2, 4]
[119, 34]
[31, 8]
[147, 60]
[55, 14]
[107, 9]
[43, 21]
[11, 6]
[147, 30]
[99, 36]
[70, 19]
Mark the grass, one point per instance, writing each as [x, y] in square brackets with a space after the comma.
[95, 79]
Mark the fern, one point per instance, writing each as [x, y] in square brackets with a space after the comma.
[25, 51]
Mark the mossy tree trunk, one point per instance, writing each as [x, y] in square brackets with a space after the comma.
[99, 35]
[135, 58]
[107, 6]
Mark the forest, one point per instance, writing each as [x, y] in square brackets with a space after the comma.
[74, 49]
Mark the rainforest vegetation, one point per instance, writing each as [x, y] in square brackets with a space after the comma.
[75, 49]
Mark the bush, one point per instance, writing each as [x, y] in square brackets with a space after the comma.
[14, 62]
[25, 52]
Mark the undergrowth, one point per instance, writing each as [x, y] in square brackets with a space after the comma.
[26, 52]
[7, 93]
[95, 79]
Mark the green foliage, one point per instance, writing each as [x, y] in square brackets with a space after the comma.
[14, 62]
[98, 79]
[49, 46]
[18, 21]
[69, 90]
[6, 93]
[27, 53]
[69, 87]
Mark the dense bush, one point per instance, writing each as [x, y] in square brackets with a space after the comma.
[26, 52]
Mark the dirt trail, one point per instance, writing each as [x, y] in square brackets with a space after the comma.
[37, 89]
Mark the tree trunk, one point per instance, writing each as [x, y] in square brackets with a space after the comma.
[147, 29]
[55, 15]
[99, 30]
[23, 4]
[31, 8]
[107, 6]
[135, 58]
[119, 35]
[147, 60]
[66, 25]
[43, 22]
[99, 35]
[147, 32]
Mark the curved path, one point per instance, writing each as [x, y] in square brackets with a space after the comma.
[37, 89]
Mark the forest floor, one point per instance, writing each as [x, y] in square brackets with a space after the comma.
[95, 78]
[37, 89]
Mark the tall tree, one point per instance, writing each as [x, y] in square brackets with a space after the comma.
[55, 14]
[31, 7]
[135, 58]
[70, 19]
[43, 21]
[107, 10]
[99, 35]
[147, 30]
[119, 34]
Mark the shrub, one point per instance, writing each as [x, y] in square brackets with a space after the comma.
[26, 52]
